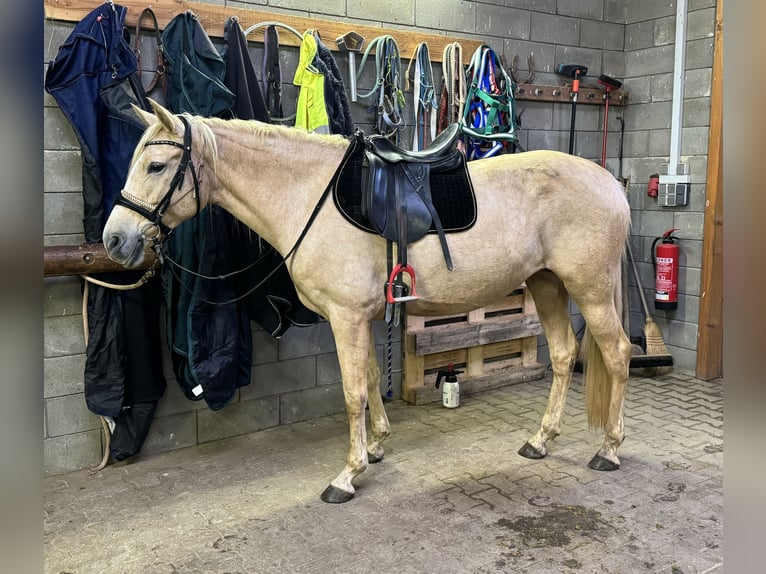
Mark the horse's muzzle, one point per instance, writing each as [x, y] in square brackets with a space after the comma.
[121, 249]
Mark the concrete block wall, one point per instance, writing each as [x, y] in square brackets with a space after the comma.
[649, 63]
[297, 377]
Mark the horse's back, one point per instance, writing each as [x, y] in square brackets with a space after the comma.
[552, 210]
[542, 174]
[549, 190]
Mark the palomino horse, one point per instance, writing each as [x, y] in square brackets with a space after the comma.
[552, 220]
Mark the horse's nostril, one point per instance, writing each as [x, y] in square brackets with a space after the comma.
[113, 242]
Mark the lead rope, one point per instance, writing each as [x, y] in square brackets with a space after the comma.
[453, 86]
[424, 96]
[104, 422]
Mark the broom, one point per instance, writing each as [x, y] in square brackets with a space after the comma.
[657, 355]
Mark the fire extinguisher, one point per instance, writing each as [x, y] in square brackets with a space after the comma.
[665, 261]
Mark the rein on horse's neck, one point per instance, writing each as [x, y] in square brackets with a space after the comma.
[271, 182]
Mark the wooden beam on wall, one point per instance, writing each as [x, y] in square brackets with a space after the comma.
[61, 260]
[563, 94]
[710, 323]
[214, 17]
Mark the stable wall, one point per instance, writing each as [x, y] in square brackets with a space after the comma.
[649, 56]
[297, 377]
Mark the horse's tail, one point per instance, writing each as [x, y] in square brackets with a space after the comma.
[598, 381]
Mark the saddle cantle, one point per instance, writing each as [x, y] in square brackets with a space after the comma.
[442, 153]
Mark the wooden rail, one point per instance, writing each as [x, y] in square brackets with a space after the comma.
[213, 18]
[588, 95]
[493, 346]
[86, 258]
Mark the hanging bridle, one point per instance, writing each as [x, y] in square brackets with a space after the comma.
[154, 212]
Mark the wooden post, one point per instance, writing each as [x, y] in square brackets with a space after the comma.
[710, 322]
[413, 365]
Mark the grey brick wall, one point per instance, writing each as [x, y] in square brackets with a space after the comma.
[297, 377]
[649, 57]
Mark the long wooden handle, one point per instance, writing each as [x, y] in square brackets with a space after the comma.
[638, 279]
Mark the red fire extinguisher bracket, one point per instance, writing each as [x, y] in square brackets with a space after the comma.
[653, 187]
[665, 258]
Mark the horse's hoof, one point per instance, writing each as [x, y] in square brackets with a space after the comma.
[373, 458]
[335, 495]
[528, 451]
[598, 462]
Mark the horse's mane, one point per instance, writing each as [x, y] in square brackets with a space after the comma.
[263, 132]
[270, 134]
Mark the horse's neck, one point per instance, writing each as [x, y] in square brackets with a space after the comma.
[272, 186]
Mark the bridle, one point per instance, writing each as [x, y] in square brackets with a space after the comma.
[154, 212]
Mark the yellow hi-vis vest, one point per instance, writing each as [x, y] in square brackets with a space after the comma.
[311, 111]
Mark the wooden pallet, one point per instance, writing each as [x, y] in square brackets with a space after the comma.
[494, 346]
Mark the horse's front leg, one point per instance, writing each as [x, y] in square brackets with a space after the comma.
[379, 427]
[352, 340]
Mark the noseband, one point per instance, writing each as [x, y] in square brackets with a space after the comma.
[154, 212]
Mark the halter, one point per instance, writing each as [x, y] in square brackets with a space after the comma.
[154, 212]
[424, 129]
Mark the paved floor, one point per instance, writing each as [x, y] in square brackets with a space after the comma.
[451, 495]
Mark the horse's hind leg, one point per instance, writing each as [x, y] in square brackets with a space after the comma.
[552, 302]
[606, 375]
[379, 427]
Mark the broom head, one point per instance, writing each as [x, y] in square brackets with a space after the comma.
[655, 345]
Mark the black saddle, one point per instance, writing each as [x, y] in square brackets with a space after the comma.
[396, 193]
[403, 195]
[451, 192]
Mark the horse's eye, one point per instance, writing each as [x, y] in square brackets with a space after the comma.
[156, 167]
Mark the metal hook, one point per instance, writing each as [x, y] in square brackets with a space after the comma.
[274, 23]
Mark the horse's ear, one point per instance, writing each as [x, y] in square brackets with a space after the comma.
[166, 118]
[147, 118]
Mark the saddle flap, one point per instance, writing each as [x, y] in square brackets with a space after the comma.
[394, 195]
